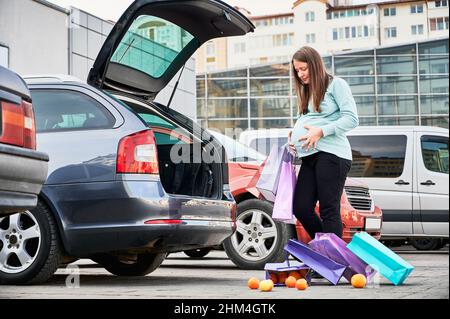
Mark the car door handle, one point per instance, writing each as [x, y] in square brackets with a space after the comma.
[402, 182]
[428, 183]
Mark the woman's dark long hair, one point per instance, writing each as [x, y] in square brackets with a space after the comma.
[319, 79]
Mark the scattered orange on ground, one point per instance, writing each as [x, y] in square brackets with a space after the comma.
[290, 282]
[266, 285]
[301, 284]
[359, 281]
[273, 277]
[253, 283]
[282, 278]
[295, 274]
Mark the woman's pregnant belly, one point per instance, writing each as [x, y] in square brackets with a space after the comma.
[299, 130]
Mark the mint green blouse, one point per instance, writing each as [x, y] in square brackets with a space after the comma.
[338, 116]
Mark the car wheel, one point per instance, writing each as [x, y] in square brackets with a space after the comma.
[197, 253]
[138, 265]
[258, 239]
[426, 243]
[30, 249]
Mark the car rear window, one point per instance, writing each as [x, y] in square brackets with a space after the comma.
[151, 44]
[66, 110]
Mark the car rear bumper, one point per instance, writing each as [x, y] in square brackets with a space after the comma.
[190, 234]
[114, 216]
[22, 173]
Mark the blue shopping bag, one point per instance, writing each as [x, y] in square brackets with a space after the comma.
[381, 258]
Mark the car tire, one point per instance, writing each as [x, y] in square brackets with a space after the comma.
[197, 253]
[141, 266]
[426, 243]
[254, 217]
[35, 236]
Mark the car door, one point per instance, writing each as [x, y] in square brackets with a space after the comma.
[154, 38]
[432, 182]
[383, 161]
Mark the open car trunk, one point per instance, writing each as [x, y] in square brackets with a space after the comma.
[185, 162]
[192, 179]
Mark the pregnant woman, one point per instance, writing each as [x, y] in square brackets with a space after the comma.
[326, 111]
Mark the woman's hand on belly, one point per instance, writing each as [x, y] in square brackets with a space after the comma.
[312, 137]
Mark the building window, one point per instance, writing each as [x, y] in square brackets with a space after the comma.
[366, 31]
[311, 38]
[417, 8]
[417, 29]
[347, 32]
[353, 32]
[441, 4]
[210, 49]
[390, 32]
[439, 24]
[335, 34]
[4, 56]
[390, 12]
[310, 16]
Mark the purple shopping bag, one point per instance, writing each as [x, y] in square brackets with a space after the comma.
[335, 248]
[267, 183]
[329, 269]
[282, 209]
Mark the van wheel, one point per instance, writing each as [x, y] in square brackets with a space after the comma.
[426, 243]
[30, 249]
[258, 239]
[138, 265]
[197, 253]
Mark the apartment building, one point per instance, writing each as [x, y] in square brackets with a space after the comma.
[330, 27]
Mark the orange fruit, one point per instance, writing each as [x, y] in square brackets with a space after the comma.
[290, 282]
[266, 285]
[295, 274]
[273, 277]
[253, 283]
[282, 277]
[301, 284]
[359, 281]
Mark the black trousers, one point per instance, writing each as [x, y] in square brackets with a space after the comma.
[321, 178]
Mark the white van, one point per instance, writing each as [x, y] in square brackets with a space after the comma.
[407, 171]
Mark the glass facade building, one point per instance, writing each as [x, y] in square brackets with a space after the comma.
[401, 85]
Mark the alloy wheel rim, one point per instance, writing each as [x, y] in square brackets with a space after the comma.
[256, 236]
[20, 240]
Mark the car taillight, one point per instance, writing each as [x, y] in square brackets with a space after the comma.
[137, 154]
[18, 125]
[29, 127]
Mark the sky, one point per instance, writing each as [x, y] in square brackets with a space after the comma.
[112, 9]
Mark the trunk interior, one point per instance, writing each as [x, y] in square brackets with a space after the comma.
[186, 178]
[177, 149]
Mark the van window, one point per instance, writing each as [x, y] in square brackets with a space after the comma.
[378, 156]
[435, 153]
[66, 110]
[265, 144]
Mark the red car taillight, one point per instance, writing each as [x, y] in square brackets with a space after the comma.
[29, 128]
[18, 125]
[137, 154]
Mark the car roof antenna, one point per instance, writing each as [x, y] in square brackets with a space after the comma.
[175, 87]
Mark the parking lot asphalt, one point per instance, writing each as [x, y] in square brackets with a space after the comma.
[216, 277]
